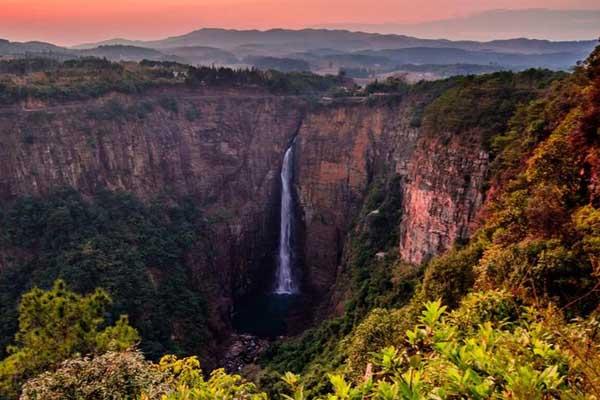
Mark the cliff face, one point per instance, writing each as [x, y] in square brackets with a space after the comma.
[222, 150]
[443, 193]
[343, 149]
[225, 151]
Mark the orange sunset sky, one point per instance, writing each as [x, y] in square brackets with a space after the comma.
[69, 22]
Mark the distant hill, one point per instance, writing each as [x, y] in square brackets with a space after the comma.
[21, 48]
[497, 24]
[126, 53]
[111, 42]
[280, 64]
[328, 50]
[202, 55]
[287, 41]
[425, 55]
[323, 51]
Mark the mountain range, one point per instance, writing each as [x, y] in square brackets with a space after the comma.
[325, 51]
[496, 24]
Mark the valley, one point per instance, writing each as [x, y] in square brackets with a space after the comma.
[363, 56]
[224, 151]
[270, 222]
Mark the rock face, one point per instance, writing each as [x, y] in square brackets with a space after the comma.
[344, 148]
[225, 151]
[341, 149]
[443, 194]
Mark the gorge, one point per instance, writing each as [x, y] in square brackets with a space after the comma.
[297, 214]
[257, 166]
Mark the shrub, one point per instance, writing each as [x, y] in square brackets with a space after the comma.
[452, 275]
[126, 375]
[493, 359]
[379, 329]
[110, 376]
[55, 325]
[192, 113]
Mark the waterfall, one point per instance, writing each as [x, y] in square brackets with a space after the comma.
[284, 277]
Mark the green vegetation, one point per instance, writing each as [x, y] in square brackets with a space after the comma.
[491, 346]
[294, 83]
[22, 66]
[56, 325]
[486, 102]
[86, 78]
[114, 241]
[126, 375]
[511, 314]
[168, 104]
[112, 375]
[192, 113]
[76, 79]
[390, 85]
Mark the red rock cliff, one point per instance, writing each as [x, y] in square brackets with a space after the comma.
[343, 148]
[226, 149]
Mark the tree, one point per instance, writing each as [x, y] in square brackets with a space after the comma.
[127, 375]
[56, 325]
[110, 376]
[188, 383]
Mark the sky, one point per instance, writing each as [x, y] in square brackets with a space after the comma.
[69, 22]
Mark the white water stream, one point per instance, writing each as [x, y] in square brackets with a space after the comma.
[284, 277]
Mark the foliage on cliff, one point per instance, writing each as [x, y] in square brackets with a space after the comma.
[489, 347]
[87, 78]
[540, 223]
[485, 102]
[134, 251]
[76, 79]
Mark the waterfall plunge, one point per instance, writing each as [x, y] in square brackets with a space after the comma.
[284, 277]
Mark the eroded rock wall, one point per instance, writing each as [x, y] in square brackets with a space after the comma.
[442, 194]
[342, 149]
[225, 151]
[222, 149]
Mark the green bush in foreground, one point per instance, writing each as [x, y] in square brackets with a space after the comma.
[127, 375]
[113, 375]
[490, 347]
[56, 325]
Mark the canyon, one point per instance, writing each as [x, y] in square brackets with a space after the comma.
[224, 149]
